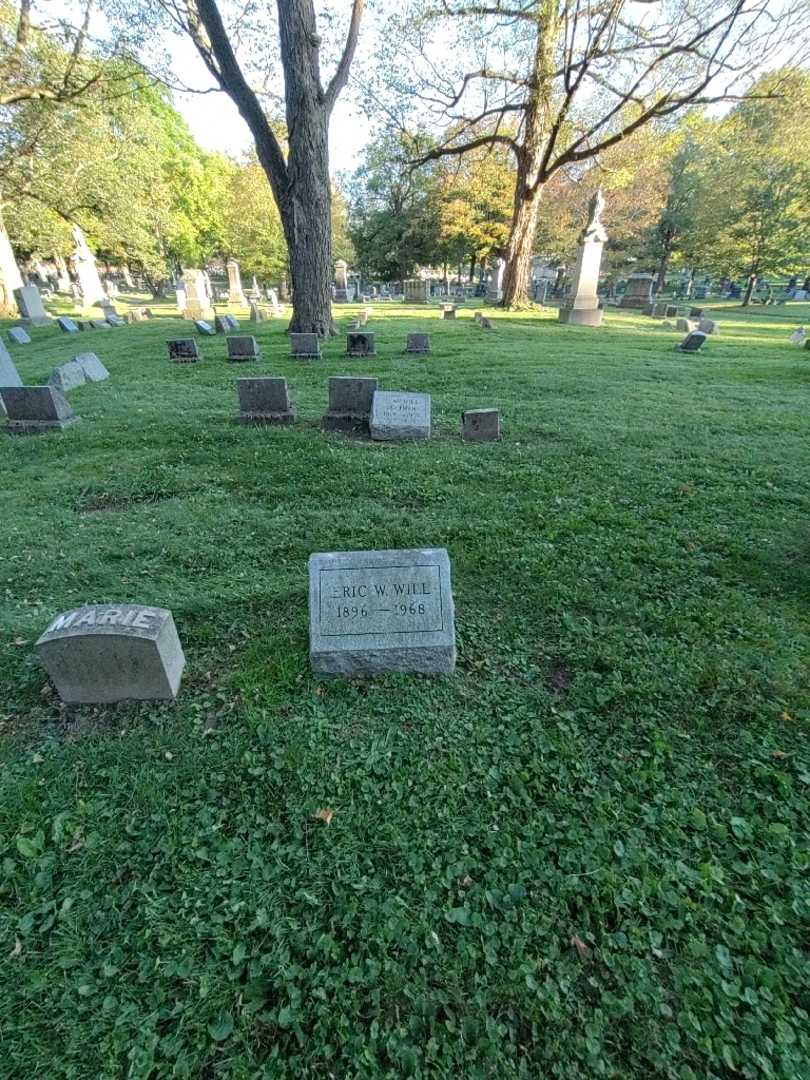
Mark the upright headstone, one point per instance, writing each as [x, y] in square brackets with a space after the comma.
[84, 263]
[264, 401]
[272, 296]
[242, 348]
[480, 425]
[417, 290]
[183, 351]
[67, 325]
[341, 282]
[372, 612]
[236, 294]
[19, 336]
[67, 376]
[29, 303]
[686, 326]
[198, 303]
[638, 293]
[35, 409]
[350, 401]
[418, 343]
[257, 314]
[708, 326]
[583, 306]
[360, 345]
[9, 376]
[495, 283]
[305, 346]
[400, 417]
[102, 653]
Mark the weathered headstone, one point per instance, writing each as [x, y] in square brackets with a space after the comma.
[30, 304]
[305, 345]
[417, 290]
[798, 336]
[582, 307]
[19, 336]
[98, 324]
[257, 314]
[480, 425]
[692, 342]
[708, 326]
[115, 320]
[485, 323]
[102, 653]
[84, 263]
[449, 311]
[223, 324]
[360, 345]
[478, 316]
[196, 295]
[264, 401]
[495, 282]
[686, 326]
[696, 312]
[242, 348]
[372, 612]
[67, 325]
[204, 327]
[235, 292]
[35, 409]
[398, 416]
[418, 343]
[183, 351]
[94, 370]
[9, 376]
[671, 311]
[350, 401]
[638, 293]
[341, 282]
[67, 376]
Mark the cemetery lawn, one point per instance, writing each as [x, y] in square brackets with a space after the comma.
[584, 854]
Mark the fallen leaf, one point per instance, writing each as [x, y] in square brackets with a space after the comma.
[324, 815]
[37, 759]
[778, 755]
[465, 882]
[786, 715]
[580, 946]
[17, 950]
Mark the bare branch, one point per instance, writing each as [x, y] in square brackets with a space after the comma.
[341, 76]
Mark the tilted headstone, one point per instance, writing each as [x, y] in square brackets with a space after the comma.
[398, 416]
[30, 304]
[264, 401]
[372, 612]
[418, 343]
[35, 409]
[183, 351]
[115, 320]
[94, 370]
[350, 401]
[67, 376]
[67, 325]
[204, 327]
[692, 342]
[242, 348]
[19, 336]
[480, 425]
[305, 345]
[223, 324]
[102, 653]
[360, 345]
[708, 326]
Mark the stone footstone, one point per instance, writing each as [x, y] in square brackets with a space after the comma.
[264, 401]
[692, 342]
[418, 343]
[372, 612]
[242, 348]
[102, 653]
[183, 351]
[19, 336]
[204, 327]
[94, 370]
[67, 325]
[32, 410]
[360, 345]
[350, 400]
[305, 346]
[67, 376]
[480, 425]
[99, 324]
[398, 416]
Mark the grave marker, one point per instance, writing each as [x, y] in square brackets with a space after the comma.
[9, 376]
[35, 409]
[67, 325]
[686, 326]
[305, 345]
[350, 400]
[67, 376]
[798, 336]
[418, 343]
[242, 348]
[398, 416]
[708, 326]
[360, 345]
[183, 351]
[264, 401]
[103, 653]
[372, 612]
[94, 370]
[204, 327]
[480, 425]
[29, 302]
[19, 336]
[692, 342]
[448, 311]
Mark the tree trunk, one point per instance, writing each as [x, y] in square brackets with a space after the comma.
[661, 272]
[521, 246]
[473, 261]
[749, 289]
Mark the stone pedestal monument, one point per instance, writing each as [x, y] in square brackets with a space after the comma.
[235, 293]
[341, 282]
[198, 304]
[495, 283]
[582, 306]
[416, 291]
[84, 262]
[638, 293]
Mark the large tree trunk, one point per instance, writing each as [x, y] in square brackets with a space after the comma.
[750, 285]
[521, 246]
[661, 272]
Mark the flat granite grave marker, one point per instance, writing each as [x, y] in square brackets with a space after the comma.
[102, 653]
[350, 401]
[360, 345]
[32, 410]
[242, 348]
[692, 342]
[67, 376]
[94, 370]
[398, 416]
[305, 345]
[480, 425]
[183, 351]
[19, 336]
[264, 401]
[418, 343]
[204, 327]
[67, 325]
[372, 612]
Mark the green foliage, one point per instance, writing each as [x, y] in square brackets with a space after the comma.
[584, 855]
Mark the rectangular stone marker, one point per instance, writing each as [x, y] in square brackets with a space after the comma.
[115, 320]
[204, 327]
[696, 313]
[94, 370]
[449, 313]
[686, 326]
[480, 425]
[67, 325]
[99, 324]
[257, 314]
[9, 376]
[360, 345]
[418, 343]
[305, 345]
[102, 653]
[183, 351]
[35, 409]
[19, 336]
[671, 311]
[29, 302]
[692, 342]
[350, 401]
[708, 326]
[67, 376]
[222, 324]
[264, 401]
[242, 348]
[397, 416]
[372, 612]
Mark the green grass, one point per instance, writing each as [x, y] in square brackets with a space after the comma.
[583, 855]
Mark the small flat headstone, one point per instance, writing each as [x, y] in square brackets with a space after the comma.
[708, 326]
[243, 347]
[350, 401]
[360, 345]
[418, 343]
[115, 320]
[398, 416]
[94, 370]
[67, 325]
[204, 327]
[305, 345]
[67, 376]
[35, 409]
[183, 351]
[372, 612]
[480, 425]
[692, 342]
[19, 336]
[264, 401]
[99, 324]
[103, 653]
[485, 323]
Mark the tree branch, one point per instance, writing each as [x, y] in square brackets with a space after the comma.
[341, 76]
